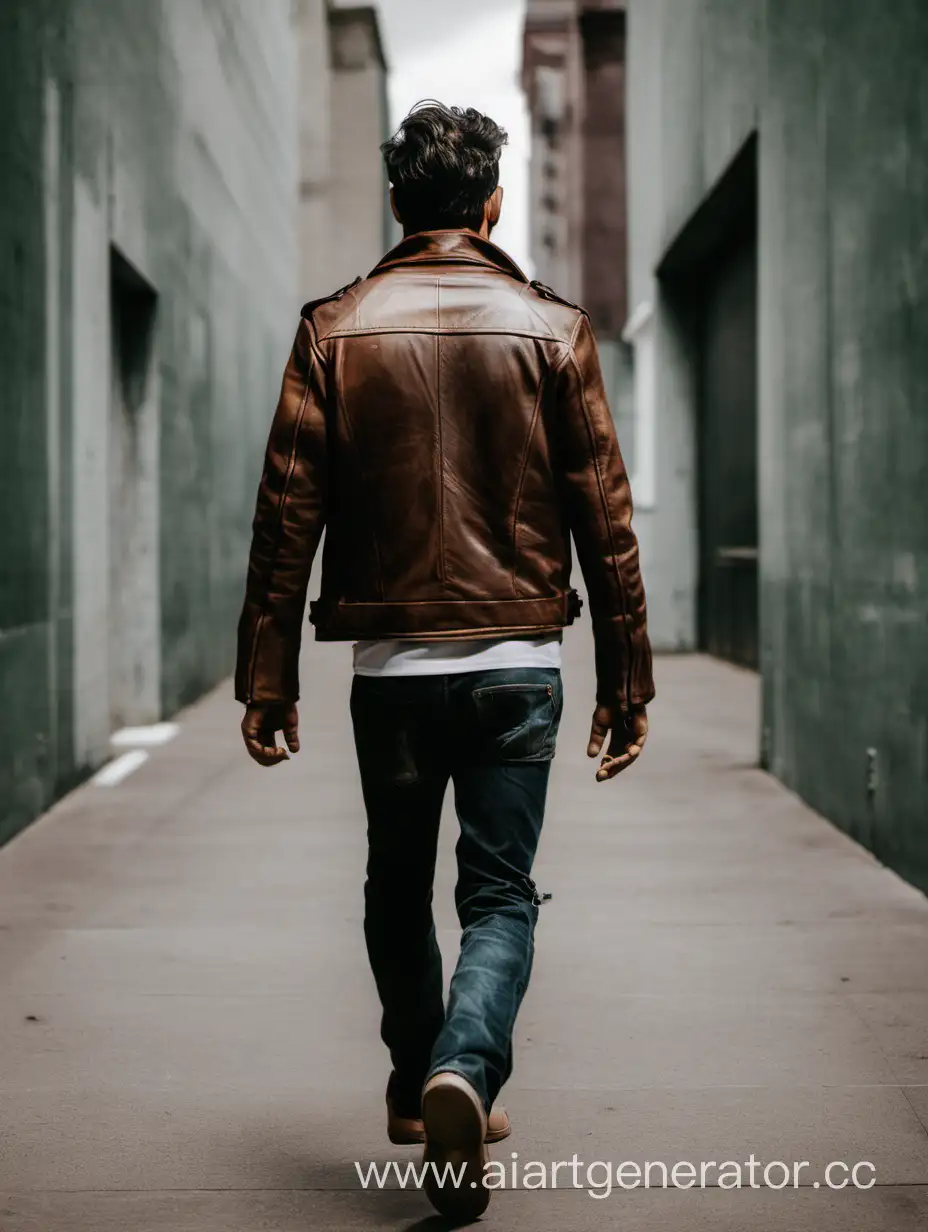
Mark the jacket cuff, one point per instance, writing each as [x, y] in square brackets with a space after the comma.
[267, 667]
[624, 673]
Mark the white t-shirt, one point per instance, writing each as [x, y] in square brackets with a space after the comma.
[440, 658]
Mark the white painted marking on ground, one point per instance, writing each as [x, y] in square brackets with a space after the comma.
[121, 768]
[136, 737]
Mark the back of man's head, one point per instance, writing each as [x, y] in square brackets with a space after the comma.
[443, 164]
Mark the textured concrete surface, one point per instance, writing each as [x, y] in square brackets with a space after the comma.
[834, 92]
[190, 1029]
[160, 138]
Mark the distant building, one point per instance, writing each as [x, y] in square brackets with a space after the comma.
[345, 222]
[573, 75]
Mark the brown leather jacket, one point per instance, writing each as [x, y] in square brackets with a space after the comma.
[446, 421]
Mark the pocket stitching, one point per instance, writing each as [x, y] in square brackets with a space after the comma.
[490, 689]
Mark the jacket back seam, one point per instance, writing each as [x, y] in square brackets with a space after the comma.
[559, 595]
[462, 331]
[442, 563]
[533, 426]
[355, 440]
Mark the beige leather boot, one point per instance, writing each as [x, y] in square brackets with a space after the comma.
[455, 1147]
[410, 1131]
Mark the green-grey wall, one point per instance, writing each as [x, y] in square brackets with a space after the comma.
[838, 94]
[171, 123]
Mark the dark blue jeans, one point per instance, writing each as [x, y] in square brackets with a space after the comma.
[492, 734]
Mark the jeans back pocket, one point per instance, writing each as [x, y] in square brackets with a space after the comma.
[518, 719]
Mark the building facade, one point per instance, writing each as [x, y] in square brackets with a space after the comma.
[147, 301]
[552, 80]
[778, 191]
[573, 75]
[345, 222]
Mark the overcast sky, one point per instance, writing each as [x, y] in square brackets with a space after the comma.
[466, 52]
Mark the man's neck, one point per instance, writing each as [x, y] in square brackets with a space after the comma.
[483, 233]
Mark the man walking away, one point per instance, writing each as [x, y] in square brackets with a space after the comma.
[446, 421]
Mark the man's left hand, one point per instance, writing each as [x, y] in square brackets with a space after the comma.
[629, 732]
[259, 731]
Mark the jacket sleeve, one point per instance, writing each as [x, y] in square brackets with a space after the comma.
[599, 512]
[288, 523]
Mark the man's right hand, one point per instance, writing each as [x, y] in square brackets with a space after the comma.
[628, 734]
[259, 731]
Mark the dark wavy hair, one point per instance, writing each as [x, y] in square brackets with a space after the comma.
[443, 163]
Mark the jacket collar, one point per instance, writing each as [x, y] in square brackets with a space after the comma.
[449, 248]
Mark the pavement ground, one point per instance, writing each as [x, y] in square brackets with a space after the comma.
[190, 1032]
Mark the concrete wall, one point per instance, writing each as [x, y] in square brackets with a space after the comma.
[345, 224]
[155, 142]
[837, 94]
[361, 227]
[315, 139]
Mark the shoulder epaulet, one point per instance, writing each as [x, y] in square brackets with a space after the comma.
[307, 309]
[546, 293]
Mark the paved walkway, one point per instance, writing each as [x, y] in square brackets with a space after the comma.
[188, 1032]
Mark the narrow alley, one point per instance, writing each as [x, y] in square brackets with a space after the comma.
[512, 226]
[190, 1029]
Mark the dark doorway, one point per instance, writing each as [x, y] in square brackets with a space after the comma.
[727, 457]
[709, 273]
